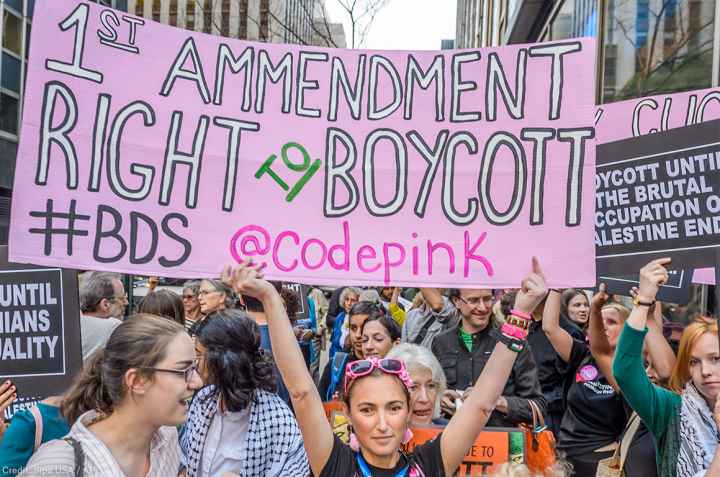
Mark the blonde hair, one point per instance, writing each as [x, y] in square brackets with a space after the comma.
[418, 301]
[561, 468]
[621, 310]
[681, 372]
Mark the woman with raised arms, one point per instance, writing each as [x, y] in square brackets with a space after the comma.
[377, 397]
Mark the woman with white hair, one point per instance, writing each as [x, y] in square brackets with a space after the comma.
[348, 297]
[429, 383]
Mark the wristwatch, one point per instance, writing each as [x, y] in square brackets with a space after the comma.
[638, 302]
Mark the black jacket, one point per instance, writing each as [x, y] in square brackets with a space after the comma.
[553, 372]
[463, 368]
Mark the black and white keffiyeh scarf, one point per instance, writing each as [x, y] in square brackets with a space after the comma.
[274, 443]
[698, 434]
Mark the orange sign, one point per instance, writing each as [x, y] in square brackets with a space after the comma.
[331, 406]
[492, 448]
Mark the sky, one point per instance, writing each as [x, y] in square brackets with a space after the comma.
[405, 24]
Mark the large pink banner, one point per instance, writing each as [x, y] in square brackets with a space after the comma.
[636, 117]
[152, 150]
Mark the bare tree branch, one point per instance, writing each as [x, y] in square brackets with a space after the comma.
[326, 36]
[661, 49]
[360, 13]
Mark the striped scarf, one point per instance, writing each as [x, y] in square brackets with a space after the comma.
[274, 443]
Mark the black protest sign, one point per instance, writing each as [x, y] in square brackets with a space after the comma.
[40, 348]
[676, 290]
[656, 196]
[302, 293]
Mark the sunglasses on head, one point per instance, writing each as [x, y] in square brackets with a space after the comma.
[364, 367]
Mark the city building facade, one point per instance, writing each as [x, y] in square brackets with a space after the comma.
[274, 21]
[645, 47]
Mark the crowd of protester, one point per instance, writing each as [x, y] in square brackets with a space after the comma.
[226, 378]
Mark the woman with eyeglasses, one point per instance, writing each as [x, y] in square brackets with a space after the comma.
[237, 424]
[191, 303]
[213, 295]
[377, 396]
[429, 383]
[126, 404]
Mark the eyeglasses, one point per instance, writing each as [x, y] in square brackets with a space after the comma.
[363, 367]
[188, 297]
[187, 373]
[476, 300]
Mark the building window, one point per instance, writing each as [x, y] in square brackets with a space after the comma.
[10, 73]
[8, 152]
[657, 46]
[173, 12]
[9, 113]
[156, 10]
[140, 8]
[225, 27]
[15, 5]
[12, 32]
[243, 19]
[207, 17]
[575, 19]
[264, 19]
[190, 15]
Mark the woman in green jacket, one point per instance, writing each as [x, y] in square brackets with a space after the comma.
[686, 418]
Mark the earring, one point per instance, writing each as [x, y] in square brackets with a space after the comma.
[354, 443]
[407, 437]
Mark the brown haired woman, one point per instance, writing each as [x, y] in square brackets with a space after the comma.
[125, 405]
[377, 401]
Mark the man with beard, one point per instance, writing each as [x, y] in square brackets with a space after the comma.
[463, 352]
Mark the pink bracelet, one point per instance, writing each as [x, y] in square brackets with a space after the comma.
[520, 314]
[513, 331]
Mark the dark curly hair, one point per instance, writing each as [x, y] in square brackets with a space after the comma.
[236, 364]
[291, 301]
